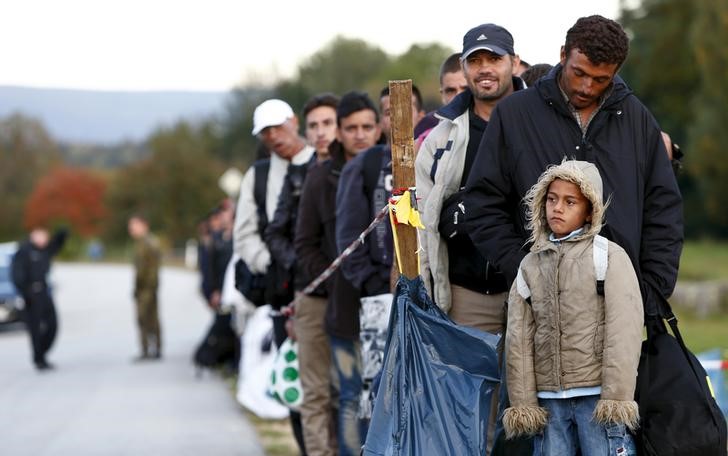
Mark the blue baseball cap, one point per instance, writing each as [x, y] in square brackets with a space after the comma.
[488, 37]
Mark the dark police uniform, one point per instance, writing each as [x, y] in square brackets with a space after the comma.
[30, 268]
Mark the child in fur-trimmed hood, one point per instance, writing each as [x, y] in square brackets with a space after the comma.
[571, 352]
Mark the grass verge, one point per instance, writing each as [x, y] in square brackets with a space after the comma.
[704, 334]
[275, 436]
[704, 260]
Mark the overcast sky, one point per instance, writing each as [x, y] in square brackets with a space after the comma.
[217, 44]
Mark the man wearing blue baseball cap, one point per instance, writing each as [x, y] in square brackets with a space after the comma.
[462, 282]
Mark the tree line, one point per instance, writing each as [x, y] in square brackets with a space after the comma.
[677, 65]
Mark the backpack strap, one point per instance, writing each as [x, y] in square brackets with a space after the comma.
[372, 168]
[600, 255]
[600, 252]
[522, 287]
[260, 190]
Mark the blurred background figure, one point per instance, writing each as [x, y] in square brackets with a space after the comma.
[146, 266]
[452, 83]
[30, 267]
[95, 250]
[535, 72]
[220, 248]
[385, 119]
[220, 347]
[204, 242]
[522, 67]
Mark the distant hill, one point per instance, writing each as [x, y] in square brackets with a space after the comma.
[85, 116]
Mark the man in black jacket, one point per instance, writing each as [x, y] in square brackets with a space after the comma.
[315, 242]
[581, 110]
[30, 267]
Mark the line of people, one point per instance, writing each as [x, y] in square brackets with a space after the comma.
[479, 154]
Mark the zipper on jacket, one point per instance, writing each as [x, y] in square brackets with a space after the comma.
[559, 369]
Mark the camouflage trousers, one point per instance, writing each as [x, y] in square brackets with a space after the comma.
[148, 320]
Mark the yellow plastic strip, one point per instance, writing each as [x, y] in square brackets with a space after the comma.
[394, 233]
[402, 212]
[405, 213]
[710, 386]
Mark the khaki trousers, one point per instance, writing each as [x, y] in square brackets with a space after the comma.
[315, 364]
[148, 319]
[486, 313]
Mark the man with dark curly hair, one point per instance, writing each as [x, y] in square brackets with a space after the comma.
[581, 110]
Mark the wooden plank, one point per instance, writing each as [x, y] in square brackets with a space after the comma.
[403, 166]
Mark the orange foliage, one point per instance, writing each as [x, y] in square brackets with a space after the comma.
[70, 196]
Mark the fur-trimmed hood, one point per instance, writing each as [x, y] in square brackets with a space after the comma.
[581, 173]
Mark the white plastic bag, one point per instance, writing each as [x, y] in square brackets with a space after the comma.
[256, 366]
[374, 323]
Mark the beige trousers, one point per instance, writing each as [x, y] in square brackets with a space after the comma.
[314, 355]
[487, 313]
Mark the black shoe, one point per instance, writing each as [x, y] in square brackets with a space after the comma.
[141, 358]
[44, 365]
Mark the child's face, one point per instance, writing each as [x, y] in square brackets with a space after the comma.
[566, 208]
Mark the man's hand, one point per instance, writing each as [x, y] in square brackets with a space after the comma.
[214, 301]
[290, 328]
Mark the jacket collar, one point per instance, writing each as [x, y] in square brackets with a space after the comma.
[548, 88]
[464, 100]
[338, 157]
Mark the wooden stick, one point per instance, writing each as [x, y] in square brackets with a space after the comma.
[403, 166]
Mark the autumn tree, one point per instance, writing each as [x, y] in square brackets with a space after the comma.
[421, 63]
[707, 134]
[26, 153]
[341, 65]
[677, 66]
[237, 144]
[659, 33]
[67, 196]
[174, 187]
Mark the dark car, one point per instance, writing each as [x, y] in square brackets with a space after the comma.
[10, 300]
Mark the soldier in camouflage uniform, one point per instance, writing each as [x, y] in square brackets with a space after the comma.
[146, 265]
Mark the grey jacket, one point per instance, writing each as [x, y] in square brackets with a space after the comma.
[449, 141]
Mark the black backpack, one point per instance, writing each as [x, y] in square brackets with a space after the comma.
[253, 286]
[372, 168]
[220, 346]
[678, 413]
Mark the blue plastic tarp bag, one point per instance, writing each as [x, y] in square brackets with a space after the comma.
[437, 382]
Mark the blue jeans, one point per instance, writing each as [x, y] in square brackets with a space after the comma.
[570, 427]
[351, 431]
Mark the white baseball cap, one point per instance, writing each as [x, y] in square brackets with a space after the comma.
[271, 113]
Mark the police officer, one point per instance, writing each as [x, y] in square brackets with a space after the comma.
[146, 265]
[30, 267]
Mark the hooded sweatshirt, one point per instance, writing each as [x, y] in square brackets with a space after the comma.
[568, 336]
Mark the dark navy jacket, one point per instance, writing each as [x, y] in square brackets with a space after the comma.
[532, 129]
[31, 265]
[369, 267]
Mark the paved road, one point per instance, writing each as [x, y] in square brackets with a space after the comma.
[100, 403]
